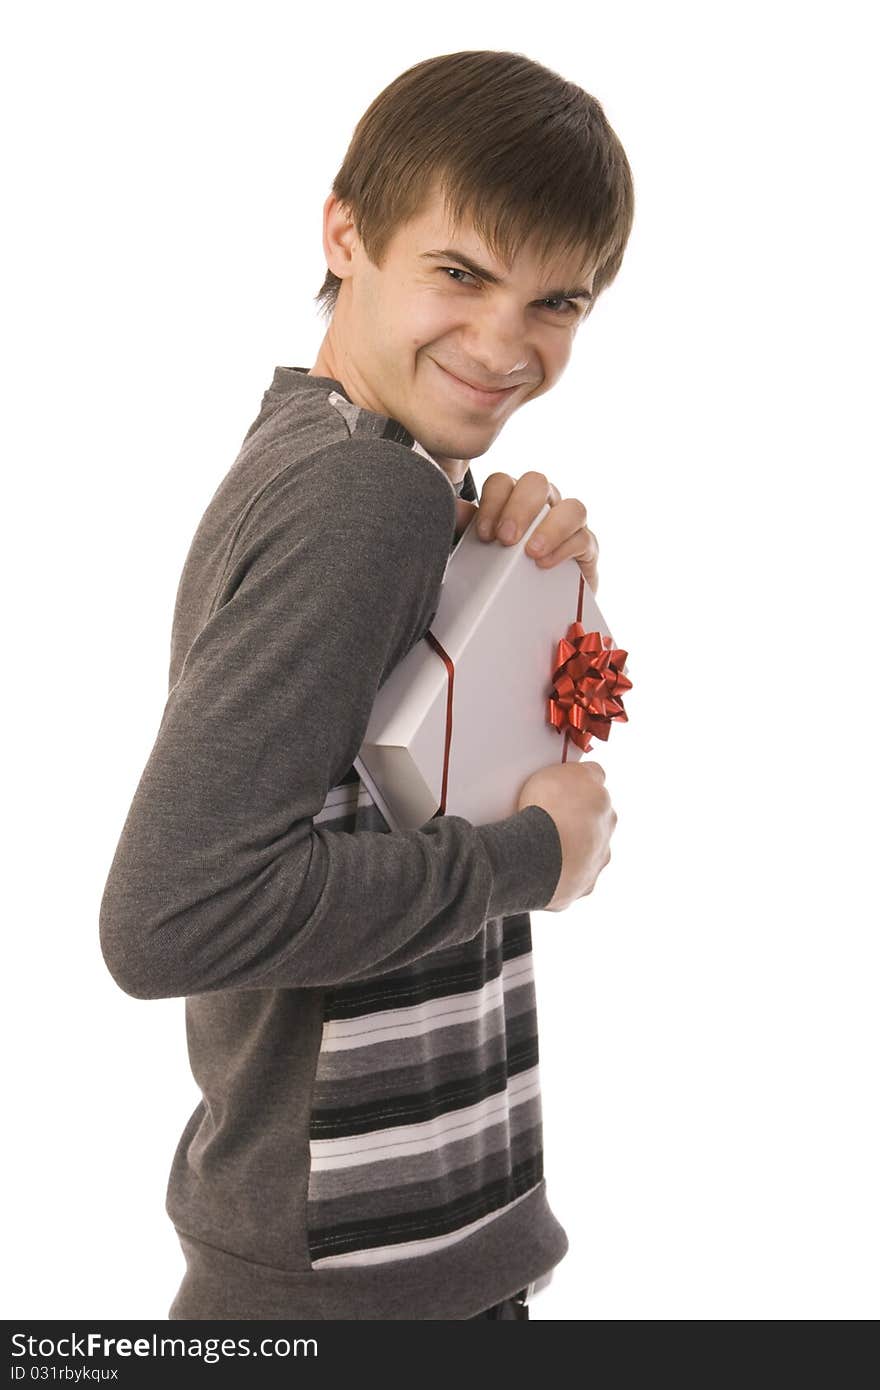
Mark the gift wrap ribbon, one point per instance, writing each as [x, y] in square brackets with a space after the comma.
[587, 683]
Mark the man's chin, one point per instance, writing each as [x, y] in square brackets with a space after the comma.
[468, 446]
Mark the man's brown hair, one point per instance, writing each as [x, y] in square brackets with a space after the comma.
[528, 156]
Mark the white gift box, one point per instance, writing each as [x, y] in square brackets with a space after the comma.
[462, 720]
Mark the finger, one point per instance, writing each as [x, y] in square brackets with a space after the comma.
[583, 547]
[522, 505]
[495, 492]
[464, 511]
[564, 520]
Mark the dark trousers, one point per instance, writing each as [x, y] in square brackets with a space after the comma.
[509, 1309]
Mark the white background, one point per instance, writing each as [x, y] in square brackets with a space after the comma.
[708, 1014]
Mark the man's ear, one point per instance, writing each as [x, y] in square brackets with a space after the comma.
[340, 236]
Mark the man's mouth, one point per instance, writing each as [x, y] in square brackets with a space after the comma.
[476, 394]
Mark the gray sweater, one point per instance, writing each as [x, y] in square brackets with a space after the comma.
[360, 1006]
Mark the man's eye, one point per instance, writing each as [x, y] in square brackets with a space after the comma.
[455, 270]
[569, 305]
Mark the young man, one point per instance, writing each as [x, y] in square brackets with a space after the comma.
[360, 1004]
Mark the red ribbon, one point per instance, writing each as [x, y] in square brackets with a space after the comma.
[587, 681]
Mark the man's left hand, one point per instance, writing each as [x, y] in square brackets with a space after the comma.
[564, 531]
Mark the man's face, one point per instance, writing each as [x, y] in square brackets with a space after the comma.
[407, 337]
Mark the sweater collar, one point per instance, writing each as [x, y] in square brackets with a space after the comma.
[286, 379]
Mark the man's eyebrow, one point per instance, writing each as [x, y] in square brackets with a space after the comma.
[450, 254]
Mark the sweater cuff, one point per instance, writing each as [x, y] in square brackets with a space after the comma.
[525, 853]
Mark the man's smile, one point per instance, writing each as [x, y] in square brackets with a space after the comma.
[475, 394]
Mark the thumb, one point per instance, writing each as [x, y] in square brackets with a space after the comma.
[463, 513]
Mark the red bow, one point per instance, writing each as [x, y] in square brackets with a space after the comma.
[587, 683]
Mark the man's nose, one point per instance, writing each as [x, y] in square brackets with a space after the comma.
[495, 347]
[493, 362]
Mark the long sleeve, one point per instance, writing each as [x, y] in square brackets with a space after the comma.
[220, 879]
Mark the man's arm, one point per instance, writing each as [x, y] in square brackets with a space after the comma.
[221, 879]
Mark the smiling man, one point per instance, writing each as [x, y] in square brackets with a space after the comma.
[440, 339]
[360, 1004]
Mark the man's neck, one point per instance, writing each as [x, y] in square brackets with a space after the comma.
[325, 365]
[454, 469]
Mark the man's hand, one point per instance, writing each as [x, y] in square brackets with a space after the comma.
[563, 531]
[575, 797]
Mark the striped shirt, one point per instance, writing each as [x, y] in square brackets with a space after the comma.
[368, 1142]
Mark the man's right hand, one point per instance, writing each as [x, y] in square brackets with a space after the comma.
[574, 795]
